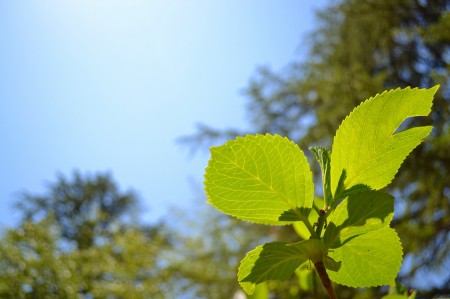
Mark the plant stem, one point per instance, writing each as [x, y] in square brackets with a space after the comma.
[308, 226]
[311, 229]
[321, 221]
[320, 268]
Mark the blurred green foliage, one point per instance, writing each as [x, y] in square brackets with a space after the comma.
[74, 241]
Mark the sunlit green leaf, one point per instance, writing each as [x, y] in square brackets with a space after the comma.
[365, 144]
[276, 261]
[370, 259]
[260, 178]
[261, 292]
[305, 276]
[358, 214]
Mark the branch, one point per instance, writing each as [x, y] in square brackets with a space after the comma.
[320, 267]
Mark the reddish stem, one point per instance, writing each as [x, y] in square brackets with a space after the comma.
[325, 279]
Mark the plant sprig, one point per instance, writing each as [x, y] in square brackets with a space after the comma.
[266, 179]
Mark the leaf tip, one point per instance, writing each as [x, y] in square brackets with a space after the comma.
[435, 88]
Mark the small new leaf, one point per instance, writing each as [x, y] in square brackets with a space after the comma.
[331, 264]
[323, 157]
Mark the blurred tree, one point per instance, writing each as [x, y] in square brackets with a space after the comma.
[76, 242]
[34, 265]
[360, 48]
[128, 266]
[84, 208]
[29, 267]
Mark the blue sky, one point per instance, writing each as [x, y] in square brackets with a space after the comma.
[110, 85]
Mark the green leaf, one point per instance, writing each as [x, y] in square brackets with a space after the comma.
[413, 295]
[331, 264]
[394, 296]
[260, 178]
[305, 276]
[355, 190]
[340, 188]
[301, 229]
[398, 291]
[357, 214]
[261, 292]
[365, 145]
[370, 259]
[323, 157]
[276, 261]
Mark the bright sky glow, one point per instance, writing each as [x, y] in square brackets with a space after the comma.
[110, 85]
